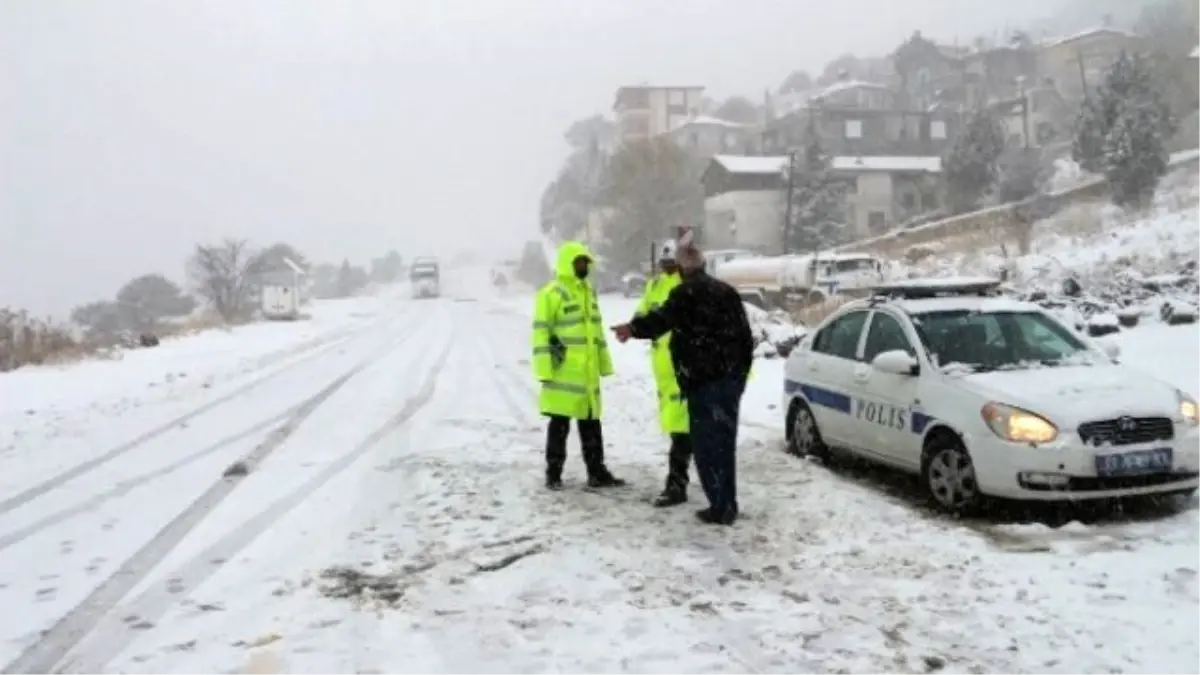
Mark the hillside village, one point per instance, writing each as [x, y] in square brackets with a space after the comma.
[884, 128]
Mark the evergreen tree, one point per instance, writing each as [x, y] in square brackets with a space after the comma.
[1122, 132]
[970, 167]
[816, 216]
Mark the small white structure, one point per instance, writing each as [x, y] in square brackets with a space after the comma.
[283, 292]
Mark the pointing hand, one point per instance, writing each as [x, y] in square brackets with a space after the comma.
[623, 332]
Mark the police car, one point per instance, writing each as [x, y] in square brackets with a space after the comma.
[983, 395]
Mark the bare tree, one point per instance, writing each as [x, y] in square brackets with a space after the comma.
[221, 274]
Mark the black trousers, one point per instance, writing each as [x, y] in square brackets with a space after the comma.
[591, 441]
[679, 458]
[713, 410]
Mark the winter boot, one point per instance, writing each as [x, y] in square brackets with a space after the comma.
[603, 478]
[672, 496]
[554, 483]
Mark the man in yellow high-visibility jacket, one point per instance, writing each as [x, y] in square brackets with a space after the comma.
[570, 355]
[672, 409]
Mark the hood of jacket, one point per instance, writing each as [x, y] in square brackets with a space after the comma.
[564, 266]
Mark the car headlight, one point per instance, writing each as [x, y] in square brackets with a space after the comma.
[1018, 426]
[1187, 409]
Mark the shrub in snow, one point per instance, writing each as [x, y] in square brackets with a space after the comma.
[774, 332]
[918, 252]
[1129, 317]
[1177, 312]
[1103, 324]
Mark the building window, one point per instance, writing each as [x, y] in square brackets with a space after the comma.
[635, 98]
[677, 97]
[854, 129]
[937, 130]
[1045, 133]
[877, 222]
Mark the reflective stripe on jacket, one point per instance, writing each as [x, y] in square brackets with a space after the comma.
[570, 352]
[672, 409]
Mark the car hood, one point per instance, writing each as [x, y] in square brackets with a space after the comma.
[1071, 395]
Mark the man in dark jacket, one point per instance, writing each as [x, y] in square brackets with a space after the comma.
[712, 348]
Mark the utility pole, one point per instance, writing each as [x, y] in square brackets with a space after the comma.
[1024, 110]
[1082, 75]
[787, 211]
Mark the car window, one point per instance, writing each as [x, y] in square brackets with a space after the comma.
[1039, 333]
[996, 341]
[885, 334]
[840, 338]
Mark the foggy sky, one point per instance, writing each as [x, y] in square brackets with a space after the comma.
[131, 129]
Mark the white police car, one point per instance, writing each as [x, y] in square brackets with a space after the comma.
[983, 395]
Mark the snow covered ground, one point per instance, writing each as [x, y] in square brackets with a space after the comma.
[383, 512]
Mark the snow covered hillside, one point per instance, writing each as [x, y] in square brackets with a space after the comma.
[364, 495]
[1090, 243]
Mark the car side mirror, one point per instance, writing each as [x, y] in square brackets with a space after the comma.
[896, 362]
[1111, 348]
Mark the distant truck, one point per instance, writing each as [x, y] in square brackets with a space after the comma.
[798, 281]
[425, 276]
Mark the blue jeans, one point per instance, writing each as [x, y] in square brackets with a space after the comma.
[713, 410]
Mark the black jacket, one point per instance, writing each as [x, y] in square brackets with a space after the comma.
[710, 334]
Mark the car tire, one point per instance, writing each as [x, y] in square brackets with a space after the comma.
[803, 436]
[948, 474]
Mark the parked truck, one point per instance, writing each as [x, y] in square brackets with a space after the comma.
[797, 281]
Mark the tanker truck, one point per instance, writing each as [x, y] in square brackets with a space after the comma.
[797, 281]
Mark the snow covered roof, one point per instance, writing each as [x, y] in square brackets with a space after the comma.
[888, 163]
[847, 85]
[746, 165]
[293, 266]
[1099, 30]
[709, 120]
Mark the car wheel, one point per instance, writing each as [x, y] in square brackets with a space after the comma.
[949, 475]
[804, 438]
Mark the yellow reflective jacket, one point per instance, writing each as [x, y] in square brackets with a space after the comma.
[672, 409]
[570, 352]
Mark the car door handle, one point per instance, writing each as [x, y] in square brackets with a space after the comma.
[861, 375]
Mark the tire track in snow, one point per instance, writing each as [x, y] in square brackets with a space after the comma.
[508, 383]
[22, 498]
[82, 619]
[125, 486]
[153, 603]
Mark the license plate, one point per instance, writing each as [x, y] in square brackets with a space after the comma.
[1134, 463]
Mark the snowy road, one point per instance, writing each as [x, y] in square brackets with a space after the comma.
[401, 450]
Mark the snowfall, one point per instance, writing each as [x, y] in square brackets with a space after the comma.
[361, 492]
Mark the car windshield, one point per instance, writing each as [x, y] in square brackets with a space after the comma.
[981, 342]
[424, 272]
